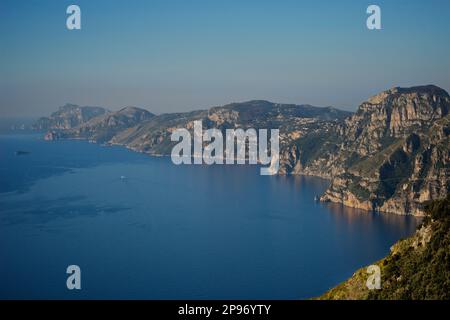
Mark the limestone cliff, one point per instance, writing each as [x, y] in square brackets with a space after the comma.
[390, 156]
[394, 152]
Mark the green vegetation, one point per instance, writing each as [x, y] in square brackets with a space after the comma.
[359, 191]
[315, 144]
[397, 169]
[369, 165]
[418, 268]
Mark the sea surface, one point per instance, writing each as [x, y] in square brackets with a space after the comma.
[140, 227]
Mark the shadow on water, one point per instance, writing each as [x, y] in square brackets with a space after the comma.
[43, 211]
[49, 158]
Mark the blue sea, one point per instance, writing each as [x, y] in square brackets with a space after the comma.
[141, 227]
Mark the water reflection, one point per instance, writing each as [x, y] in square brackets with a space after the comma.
[344, 217]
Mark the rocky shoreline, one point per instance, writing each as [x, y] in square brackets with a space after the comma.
[391, 155]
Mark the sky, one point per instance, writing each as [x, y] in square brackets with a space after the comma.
[170, 55]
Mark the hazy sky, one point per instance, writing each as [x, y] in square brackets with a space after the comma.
[182, 55]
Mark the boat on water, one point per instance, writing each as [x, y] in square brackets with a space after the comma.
[21, 152]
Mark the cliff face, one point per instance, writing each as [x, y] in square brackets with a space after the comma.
[394, 152]
[390, 156]
[417, 268]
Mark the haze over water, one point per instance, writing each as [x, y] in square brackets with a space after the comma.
[141, 227]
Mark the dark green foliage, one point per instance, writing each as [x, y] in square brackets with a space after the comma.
[316, 144]
[421, 272]
[393, 172]
[359, 191]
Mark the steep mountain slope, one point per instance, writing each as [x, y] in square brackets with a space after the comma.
[67, 117]
[153, 136]
[418, 268]
[144, 132]
[391, 155]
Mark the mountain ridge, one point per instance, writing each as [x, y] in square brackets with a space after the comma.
[391, 155]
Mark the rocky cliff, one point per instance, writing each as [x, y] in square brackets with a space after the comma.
[390, 156]
[393, 153]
